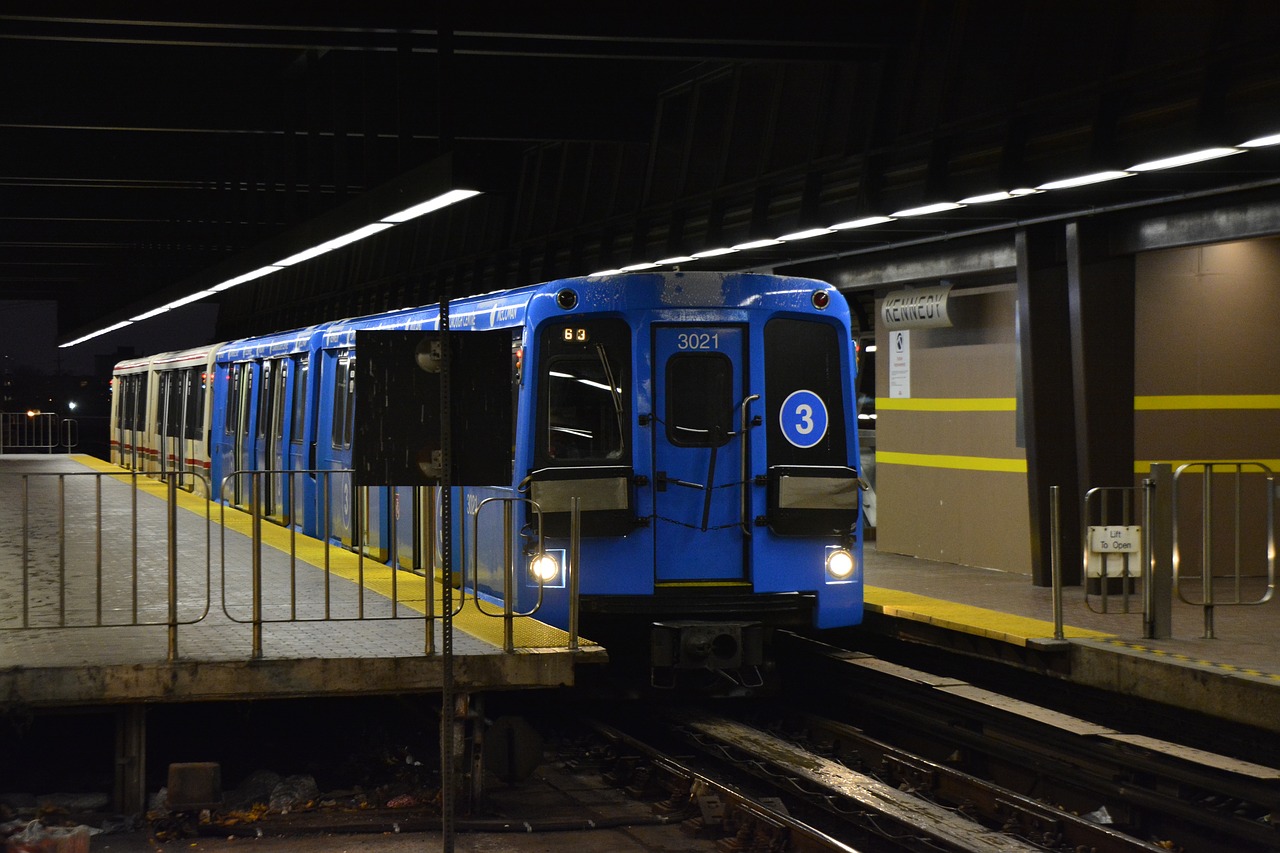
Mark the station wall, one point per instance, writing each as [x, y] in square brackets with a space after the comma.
[951, 473]
[1206, 387]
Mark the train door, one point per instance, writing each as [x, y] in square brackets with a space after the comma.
[269, 452]
[301, 452]
[698, 377]
[240, 419]
[340, 497]
[171, 410]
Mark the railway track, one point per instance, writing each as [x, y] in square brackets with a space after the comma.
[884, 757]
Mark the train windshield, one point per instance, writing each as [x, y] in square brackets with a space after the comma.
[583, 403]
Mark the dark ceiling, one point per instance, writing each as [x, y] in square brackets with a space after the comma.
[140, 151]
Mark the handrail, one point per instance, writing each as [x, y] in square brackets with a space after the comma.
[1208, 518]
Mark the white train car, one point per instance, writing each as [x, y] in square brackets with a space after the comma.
[160, 412]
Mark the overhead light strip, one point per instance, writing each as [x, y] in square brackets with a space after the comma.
[944, 206]
[441, 201]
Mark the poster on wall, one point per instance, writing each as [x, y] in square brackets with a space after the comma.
[900, 363]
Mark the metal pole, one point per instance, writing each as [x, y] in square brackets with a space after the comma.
[575, 554]
[1147, 561]
[172, 524]
[1055, 523]
[1206, 567]
[429, 570]
[62, 550]
[508, 585]
[448, 780]
[256, 561]
[26, 576]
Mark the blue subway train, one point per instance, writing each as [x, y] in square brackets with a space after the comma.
[705, 421]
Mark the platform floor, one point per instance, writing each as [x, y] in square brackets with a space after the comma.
[1235, 675]
[330, 632]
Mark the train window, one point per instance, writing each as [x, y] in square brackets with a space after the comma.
[233, 401]
[171, 402]
[246, 395]
[584, 401]
[583, 422]
[140, 402]
[344, 385]
[266, 397]
[299, 400]
[699, 399]
[805, 355]
[195, 403]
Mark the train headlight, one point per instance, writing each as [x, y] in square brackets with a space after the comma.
[544, 568]
[840, 564]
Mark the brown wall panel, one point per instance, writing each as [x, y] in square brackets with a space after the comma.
[959, 513]
[975, 518]
[1206, 332]
[1208, 434]
[986, 434]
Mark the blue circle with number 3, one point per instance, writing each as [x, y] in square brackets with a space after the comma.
[803, 418]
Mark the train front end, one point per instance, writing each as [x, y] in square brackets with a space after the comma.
[706, 423]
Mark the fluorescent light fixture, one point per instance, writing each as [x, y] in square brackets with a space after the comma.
[92, 335]
[443, 200]
[1082, 180]
[603, 272]
[1184, 159]
[644, 265]
[937, 207]
[987, 197]
[335, 243]
[1021, 191]
[152, 313]
[861, 223]
[870, 348]
[712, 253]
[1262, 141]
[241, 279]
[755, 244]
[189, 298]
[806, 234]
[678, 259]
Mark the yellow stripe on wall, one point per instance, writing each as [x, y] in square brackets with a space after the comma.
[946, 404]
[959, 463]
[1172, 402]
[1143, 466]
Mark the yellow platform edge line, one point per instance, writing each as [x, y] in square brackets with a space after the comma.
[528, 633]
[965, 618]
[1143, 466]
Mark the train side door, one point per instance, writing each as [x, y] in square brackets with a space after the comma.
[269, 451]
[243, 458]
[300, 447]
[698, 381]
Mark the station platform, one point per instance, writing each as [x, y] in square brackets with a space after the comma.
[1233, 676]
[78, 626]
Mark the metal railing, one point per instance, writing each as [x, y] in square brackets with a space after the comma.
[84, 560]
[31, 432]
[1136, 534]
[351, 605]
[1242, 486]
[68, 579]
[1113, 545]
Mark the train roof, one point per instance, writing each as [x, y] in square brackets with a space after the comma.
[274, 345]
[167, 360]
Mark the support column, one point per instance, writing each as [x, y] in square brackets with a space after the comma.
[1101, 294]
[130, 793]
[1046, 407]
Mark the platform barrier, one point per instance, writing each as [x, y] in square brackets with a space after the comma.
[82, 550]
